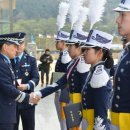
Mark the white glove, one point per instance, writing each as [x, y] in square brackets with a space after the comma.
[52, 85]
[38, 93]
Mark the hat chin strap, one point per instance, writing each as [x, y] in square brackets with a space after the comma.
[13, 41]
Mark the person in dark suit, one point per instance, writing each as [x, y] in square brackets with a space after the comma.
[46, 60]
[27, 78]
[9, 95]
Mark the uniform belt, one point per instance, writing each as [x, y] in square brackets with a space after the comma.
[122, 120]
[75, 97]
[88, 115]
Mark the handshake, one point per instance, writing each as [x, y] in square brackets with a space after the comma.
[35, 97]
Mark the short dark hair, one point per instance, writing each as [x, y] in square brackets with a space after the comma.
[1, 46]
[47, 49]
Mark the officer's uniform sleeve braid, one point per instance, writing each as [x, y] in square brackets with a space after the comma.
[99, 78]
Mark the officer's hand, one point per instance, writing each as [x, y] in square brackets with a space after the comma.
[22, 87]
[34, 99]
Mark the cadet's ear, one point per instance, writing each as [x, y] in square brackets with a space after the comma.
[100, 53]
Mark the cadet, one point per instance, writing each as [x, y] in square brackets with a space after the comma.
[120, 115]
[27, 78]
[76, 73]
[97, 88]
[62, 98]
[8, 92]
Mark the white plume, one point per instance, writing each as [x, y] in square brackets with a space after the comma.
[74, 10]
[81, 19]
[96, 9]
[61, 18]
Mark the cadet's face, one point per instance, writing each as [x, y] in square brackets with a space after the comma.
[11, 50]
[91, 56]
[123, 22]
[21, 48]
[73, 51]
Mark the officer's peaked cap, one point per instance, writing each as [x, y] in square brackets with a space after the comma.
[12, 38]
[21, 37]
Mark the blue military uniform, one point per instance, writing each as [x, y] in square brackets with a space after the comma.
[96, 93]
[75, 77]
[120, 115]
[27, 71]
[61, 66]
[62, 97]
[95, 98]
[121, 99]
[8, 92]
